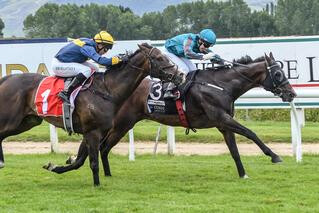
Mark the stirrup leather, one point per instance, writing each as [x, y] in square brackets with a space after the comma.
[64, 96]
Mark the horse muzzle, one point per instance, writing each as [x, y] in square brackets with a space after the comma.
[288, 96]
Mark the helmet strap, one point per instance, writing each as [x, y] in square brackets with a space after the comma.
[98, 49]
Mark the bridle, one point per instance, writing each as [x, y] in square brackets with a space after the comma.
[274, 80]
[152, 66]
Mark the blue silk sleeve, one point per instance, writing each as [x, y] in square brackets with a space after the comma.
[91, 53]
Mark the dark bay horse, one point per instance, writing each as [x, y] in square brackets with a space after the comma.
[206, 106]
[95, 107]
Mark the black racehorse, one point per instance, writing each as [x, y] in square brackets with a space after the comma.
[95, 107]
[206, 105]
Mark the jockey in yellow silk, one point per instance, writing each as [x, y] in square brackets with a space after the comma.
[72, 60]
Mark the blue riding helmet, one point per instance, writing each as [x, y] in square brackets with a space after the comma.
[208, 36]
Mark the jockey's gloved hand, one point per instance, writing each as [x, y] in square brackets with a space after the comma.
[216, 59]
[208, 56]
[124, 58]
[116, 60]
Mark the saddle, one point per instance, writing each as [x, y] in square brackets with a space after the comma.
[48, 103]
[158, 105]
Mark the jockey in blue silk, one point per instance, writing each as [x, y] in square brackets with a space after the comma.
[71, 60]
[180, 49]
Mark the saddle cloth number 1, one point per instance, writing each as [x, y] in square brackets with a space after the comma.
[45, 96]
[47, 101]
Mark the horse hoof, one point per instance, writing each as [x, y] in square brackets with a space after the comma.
[71, 159]
[50, 166]
[1, 164]
[276, 159]
[244, 177]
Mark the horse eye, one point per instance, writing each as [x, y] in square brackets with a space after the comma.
[160, 58]
[279, 76]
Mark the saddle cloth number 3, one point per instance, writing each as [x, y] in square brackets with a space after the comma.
[156, 94]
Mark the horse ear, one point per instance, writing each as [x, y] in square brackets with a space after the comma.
[267, 58]
[141, 46]
[271, 56]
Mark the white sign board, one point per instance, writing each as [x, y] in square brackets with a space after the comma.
[35, 55]
[298, 56]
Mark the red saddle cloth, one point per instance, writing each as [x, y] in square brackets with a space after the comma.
[47, 101]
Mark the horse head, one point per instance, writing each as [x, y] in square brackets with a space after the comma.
[276, 81]
[160, 66]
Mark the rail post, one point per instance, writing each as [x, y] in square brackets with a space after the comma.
[131, 155]
[170, 140]
[297, 117]
[54, 139]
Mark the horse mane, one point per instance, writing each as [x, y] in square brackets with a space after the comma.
[4, 78]
[259, 59]
[248, 60]
[243, 60]
[129, 55]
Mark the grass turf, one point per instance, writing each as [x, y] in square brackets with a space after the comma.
[268, 131]
[162, 184]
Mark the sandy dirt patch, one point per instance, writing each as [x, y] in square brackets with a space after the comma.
[148, 147]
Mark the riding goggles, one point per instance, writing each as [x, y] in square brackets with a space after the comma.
[206, 44]
[107, 46]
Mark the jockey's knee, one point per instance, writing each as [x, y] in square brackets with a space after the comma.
[87, 73]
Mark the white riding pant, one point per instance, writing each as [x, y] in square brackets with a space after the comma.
[184, 64]
[71, 69]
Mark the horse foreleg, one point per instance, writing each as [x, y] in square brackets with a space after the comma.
[81, 157]
[93, 140]
[228, 123]
[232, 146]
[113, 137]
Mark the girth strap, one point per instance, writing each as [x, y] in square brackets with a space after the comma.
[181, 114]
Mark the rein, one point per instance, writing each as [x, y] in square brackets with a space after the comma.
[269, 76]
[242, 75]
[242, 65]
[270, 83]
[162, 72]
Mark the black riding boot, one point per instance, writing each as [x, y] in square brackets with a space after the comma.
[169, 92]
[77, 81]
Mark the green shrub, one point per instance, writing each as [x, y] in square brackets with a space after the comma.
[274, 114]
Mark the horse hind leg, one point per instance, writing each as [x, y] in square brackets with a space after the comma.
[77, 163]
[16, 128]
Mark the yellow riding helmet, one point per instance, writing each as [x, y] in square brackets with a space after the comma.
[104, 37]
